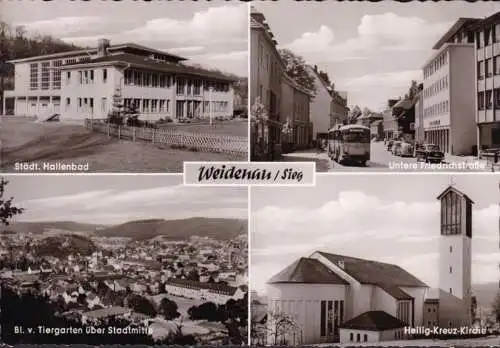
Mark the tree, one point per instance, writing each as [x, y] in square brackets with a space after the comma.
[206, 311]
[142, 305]
[7, 209]
[296, 68]
[258, 110]
[279, 325]
[354, 114]
[169, 309]
[496, 307]
[193, 275]
[116, 115]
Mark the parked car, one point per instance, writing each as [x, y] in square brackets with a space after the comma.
[396, 148]
[430, 153]
[389, 144]
[406, 150]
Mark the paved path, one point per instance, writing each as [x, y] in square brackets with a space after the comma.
[383, 160]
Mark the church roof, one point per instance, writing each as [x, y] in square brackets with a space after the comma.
[373, 321]
[307, 270]
[455, 190]
[385, 275]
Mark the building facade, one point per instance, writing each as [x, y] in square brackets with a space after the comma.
[265, 85]
[321, 107]
[487, 35]
[340, 110]
[390, 124]
[335, 298]
[419, 118]
[449, 91]
[90, 84]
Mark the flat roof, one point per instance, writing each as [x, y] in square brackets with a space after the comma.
[454, 29]
[443, 48]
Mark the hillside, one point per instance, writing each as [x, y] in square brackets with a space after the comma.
[64, 245]
[40, 226]
[221, 229]
[485, 293]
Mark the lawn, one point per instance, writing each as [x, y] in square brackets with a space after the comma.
[231, 128]
[26, 141]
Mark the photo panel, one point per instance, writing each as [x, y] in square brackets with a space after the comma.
[379, 260]
[391, 87]
[113, 260]
[122, 86]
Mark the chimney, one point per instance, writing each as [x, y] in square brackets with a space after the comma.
[316, 69]
[340, 263]
[102, 48]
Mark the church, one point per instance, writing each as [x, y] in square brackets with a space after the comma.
[334, 298]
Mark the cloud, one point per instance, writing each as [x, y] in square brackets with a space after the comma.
[395, 79]
[67, 25]
[357, 224]
[376, 34]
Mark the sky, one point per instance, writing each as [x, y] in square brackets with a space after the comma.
[370, 50]
[387, 218]
[210, 33]
[111, 199]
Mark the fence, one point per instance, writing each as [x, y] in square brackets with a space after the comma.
[207, 142]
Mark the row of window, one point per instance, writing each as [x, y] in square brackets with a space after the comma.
[50, 76]
[436, 64]
[403, 311]
[488, 99]
[267, 61]
[437, 109]
[86, 77]
[332, 316]
[488, 36]
[488, 67]
[436, 87]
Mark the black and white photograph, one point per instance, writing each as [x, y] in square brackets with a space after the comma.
[385, 260]
[105, 86]
[391, 86]
[97, 260]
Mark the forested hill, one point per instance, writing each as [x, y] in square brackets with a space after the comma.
[17, 43]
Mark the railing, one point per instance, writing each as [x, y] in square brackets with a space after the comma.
[207, 142]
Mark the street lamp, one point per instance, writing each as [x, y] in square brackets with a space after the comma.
[211, 89]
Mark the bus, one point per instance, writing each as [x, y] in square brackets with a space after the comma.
[350, 143]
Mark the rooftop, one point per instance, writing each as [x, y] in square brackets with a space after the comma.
[373, 321]
[460, 24]
[307, 270]
[452, 188]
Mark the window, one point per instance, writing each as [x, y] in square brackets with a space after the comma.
[104, 103]
[68, 103]
[180, 87]
[480, 70]
[480, 100]
[68, 77]
[154, 105]
[358, 338]
[496, 65]
[451, 249]
[197, 87]
[428, 310]
[91, 76]
[146, 79]
[323, 318]
[365, 338]
[80, 77]
[451, 269]
[496, 96]
[162, 81]
[179, 108]
[351, 337]
[45, 75]
[489, 67]
[57, 74]
[451, 291]
[33, 76]
[403, 311]
[105, 76]
[86, 77]
[489, 99]
[487, 37]
[154, 80]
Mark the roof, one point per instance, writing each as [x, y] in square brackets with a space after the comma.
[141, 62]
[493, 19]
[373, 321]
[454, 29]
[106, 312]
[451, 188]
[214, 287]
[130, 47]
[307, 270]
[404, 104]
[382, 274]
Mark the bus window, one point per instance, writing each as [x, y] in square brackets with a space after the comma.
[356, 136]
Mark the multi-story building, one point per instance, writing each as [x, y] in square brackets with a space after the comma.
[389, 122]
[321, 107]
[265, 84]
[90, 83]
[340, 110]
[449, 91]
[295, 103]
[487, 35]
[419, 117]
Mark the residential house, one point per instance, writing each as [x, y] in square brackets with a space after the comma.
[321, 109]
[340, 110]
[390, 124]
[265, 85]
[99, 315]
[209, 292]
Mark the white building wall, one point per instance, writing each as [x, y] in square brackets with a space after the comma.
[418, 294]
[303, 303]
[371, 336]
[320, 109]
[382, 301]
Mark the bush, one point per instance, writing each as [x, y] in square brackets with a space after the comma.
[115, 118]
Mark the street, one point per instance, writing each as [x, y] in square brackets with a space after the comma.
[383, 160]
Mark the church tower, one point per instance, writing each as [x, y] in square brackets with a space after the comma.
[455, 260]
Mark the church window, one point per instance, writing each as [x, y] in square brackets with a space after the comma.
[358, 338]
[451, 269]
[366, 338]
[451, 249]
[351, 336]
